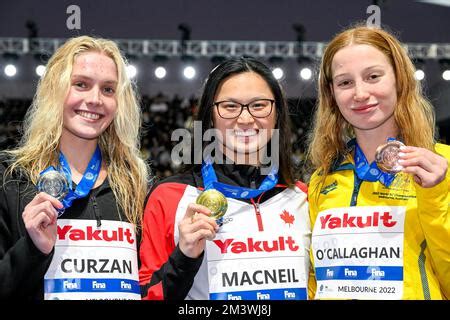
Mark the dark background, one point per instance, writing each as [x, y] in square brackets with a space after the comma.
[234, 20]
[224, 19]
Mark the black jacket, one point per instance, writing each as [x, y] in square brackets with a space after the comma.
[22, 265]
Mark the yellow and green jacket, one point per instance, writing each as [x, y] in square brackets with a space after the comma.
[426, 237]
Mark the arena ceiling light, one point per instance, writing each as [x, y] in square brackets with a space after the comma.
[40, 70]
[160, 72]
[278, 73]
[419, 74]
[160, 62]
[10, 70]
[131, 71]
[305, 73]
[11, 60]
[445, 68]
[189, 72]
[446, 75]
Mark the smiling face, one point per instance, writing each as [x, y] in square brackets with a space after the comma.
[244, 134]
[364, 87]
[90, 104]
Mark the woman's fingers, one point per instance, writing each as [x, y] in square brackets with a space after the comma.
[194, 228]
[428, 168]
[43, 207]
[40, 217]
[42, 197]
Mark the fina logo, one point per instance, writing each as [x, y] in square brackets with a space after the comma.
[244, 194]
[89, 176]
[324, 288]
[224, 220]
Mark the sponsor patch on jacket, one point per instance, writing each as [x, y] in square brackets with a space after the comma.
[328, 188]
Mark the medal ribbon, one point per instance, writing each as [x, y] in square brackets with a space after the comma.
[211, 182]
[87, 182]
[371, 172]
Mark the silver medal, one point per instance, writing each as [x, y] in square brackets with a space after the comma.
[53, 183]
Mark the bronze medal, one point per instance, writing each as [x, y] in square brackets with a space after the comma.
[387, 157]
[214, 201]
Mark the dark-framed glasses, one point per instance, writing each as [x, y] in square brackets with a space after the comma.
[260, 108]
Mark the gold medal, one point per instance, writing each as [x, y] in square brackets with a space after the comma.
[387, 157]
[214, 201]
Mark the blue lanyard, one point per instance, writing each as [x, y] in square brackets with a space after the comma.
[371, 172]
[87, 182]
[210, 181]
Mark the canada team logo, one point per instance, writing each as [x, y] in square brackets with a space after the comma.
[287, 217]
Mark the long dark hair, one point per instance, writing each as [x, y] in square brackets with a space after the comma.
[239, 65]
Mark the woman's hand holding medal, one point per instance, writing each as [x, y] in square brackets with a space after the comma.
[427, 167]
[195, 228]
[40, 215]
[40, 218]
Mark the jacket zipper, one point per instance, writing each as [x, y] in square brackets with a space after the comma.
[258, 212]
[96, 211]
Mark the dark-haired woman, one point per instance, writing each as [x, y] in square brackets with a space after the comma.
[260, 248]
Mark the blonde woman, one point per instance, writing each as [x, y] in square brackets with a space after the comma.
[377, 234]
[84, 123]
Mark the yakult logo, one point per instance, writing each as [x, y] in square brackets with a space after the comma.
[90, 234]
[347, 221]
[250, 245]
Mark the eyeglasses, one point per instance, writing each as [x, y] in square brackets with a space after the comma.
[260, 108]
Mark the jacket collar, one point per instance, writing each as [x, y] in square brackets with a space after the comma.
[345, 161]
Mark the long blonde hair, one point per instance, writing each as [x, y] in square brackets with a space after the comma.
[331, 132]
[120, 142]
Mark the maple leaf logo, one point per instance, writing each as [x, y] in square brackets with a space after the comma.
[287, 218]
